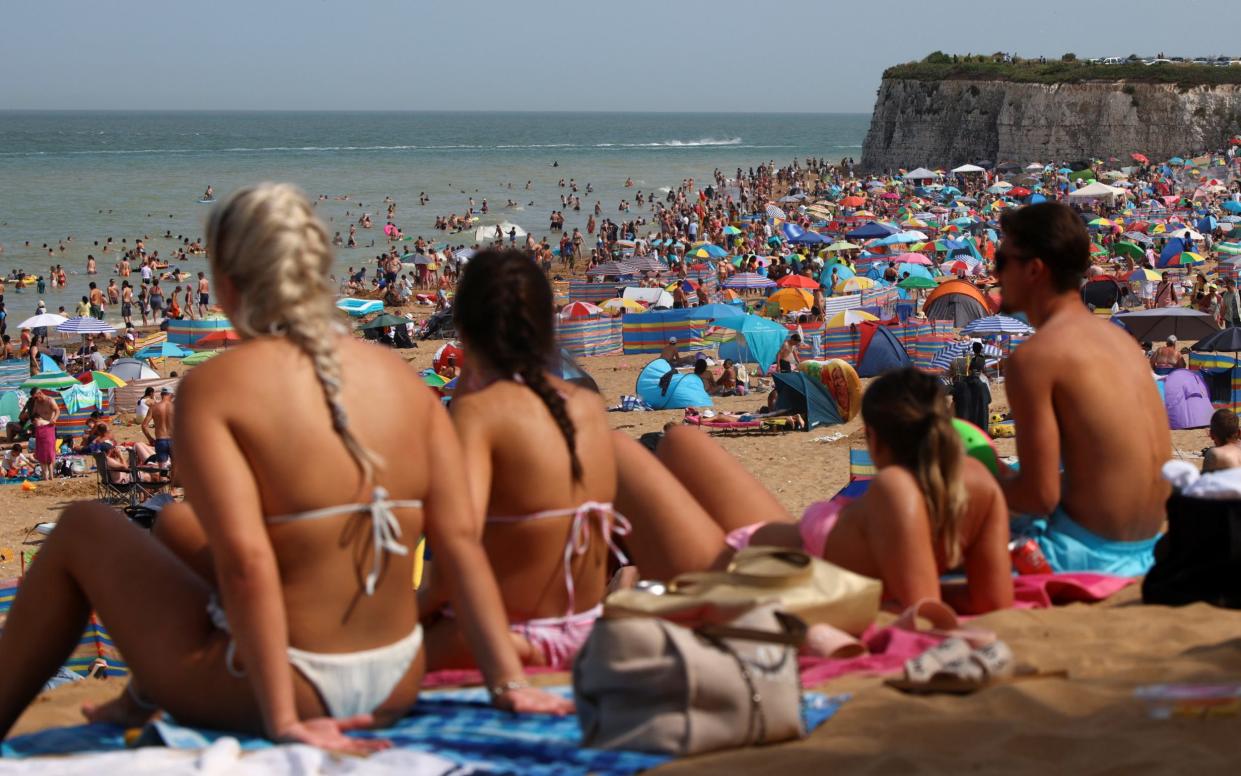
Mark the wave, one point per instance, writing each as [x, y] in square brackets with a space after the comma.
[706, 142]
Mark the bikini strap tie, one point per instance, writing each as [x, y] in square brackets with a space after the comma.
[385, 534]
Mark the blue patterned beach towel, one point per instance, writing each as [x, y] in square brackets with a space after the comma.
[459, 725]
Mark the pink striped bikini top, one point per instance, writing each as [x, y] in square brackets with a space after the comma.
[611, 524]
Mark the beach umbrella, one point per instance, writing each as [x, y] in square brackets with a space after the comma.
[854, 285]
[52, 381]
[163, 350]
[912, 258]
[842, 245]
[731, 230]
[958, 349]
[997, 324]
[775, 212]
[1185, 259]
[49, 320]
[797, 281]
[791, 299]
[852, 201]
[384, 321]
[917, 282]
[575, 310]
[1139, 158]
[103, 380]
[85, 325]
[1132, 250]
[219, 337]
[749, 281]
[1142, 274]
[199, 357]
[849, 318]
[1161, 322]
[618, 303]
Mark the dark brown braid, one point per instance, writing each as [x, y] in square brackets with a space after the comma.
[504, 310]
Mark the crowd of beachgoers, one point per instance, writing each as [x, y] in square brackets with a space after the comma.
[276, 594]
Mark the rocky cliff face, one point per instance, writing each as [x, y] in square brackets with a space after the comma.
[948, 123]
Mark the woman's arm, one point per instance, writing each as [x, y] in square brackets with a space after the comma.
[220, 486]
[453, 526]
[988, 564]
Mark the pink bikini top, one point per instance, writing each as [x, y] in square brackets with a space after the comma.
[611, 523]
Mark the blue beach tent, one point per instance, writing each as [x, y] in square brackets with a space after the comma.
[883, 353]
[679, 392]
[806, 397]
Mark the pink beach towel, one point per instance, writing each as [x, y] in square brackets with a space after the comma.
[890, 647]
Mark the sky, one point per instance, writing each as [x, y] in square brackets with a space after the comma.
[817, 56]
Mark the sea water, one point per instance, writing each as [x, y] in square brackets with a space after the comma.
[94, 175]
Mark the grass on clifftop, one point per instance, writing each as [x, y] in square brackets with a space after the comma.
[1060, 72]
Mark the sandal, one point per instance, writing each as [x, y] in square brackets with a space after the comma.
[944, 623]
[988, 666]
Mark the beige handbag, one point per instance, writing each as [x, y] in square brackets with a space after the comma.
[651, 685]
[805, 586]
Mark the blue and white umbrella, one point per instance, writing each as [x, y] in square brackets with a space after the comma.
[996, 324]
[749, 281]
[954, 350]
[85, 325]
[775, 212]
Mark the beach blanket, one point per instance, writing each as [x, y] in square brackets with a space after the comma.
[889, 647]
[458, 726]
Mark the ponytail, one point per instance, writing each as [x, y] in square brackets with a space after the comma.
[908, 411]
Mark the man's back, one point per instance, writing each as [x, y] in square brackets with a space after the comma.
[1113, 428]
[161, 418]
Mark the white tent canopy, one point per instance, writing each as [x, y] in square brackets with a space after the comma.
[655, 297]
[485, 234]
[1097, 190]
[968, 168]
[920, 174]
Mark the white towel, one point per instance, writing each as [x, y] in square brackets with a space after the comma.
[1222, 485]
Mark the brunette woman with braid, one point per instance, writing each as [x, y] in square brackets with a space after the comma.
[929, 510]
[280, 601]
[542, 475]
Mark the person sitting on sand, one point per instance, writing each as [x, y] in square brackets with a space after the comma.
[930, 509]
[671, 353]
[704, 374]
[1089, 463]
[280, 602]
[1226, 435]
[520, 423]
[16, 463]
[1166, 358]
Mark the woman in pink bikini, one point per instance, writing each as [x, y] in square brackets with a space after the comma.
[929, 510]
[521, 424]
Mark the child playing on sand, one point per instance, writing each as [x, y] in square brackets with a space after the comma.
[930, 509]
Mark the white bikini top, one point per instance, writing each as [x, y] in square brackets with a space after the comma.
[385, 530]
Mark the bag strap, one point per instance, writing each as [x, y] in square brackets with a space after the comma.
[792, 633]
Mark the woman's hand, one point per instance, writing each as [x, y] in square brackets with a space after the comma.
[329, 734]
[532, 700]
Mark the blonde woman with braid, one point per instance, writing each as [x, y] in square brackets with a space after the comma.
[542, 475]
[929, 510]
[280, 600]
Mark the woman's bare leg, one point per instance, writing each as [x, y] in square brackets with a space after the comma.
[673, 534]
[153, 606]
[726, 490]
[178, 529]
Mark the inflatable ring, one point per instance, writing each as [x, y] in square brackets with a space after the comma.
[977, 444]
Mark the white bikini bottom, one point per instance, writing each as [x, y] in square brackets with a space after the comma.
[349, 683]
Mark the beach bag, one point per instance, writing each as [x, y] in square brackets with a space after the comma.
[1199, 558]
[647, 684]
[811, 589]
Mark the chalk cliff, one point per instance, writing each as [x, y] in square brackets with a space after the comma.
[949, 122]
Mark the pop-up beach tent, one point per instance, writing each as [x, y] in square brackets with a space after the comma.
[807, 397]
[1187, 400]
[677, 392]
[956, 301]
[879, 350]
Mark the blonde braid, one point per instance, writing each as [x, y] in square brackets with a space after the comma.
[266, 240]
